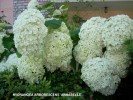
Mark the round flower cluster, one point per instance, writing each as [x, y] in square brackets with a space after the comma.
[1, 42]
[58, 51]
[103, 74]
[29, 33]
[116, 31]
[30, 69]
[98, 75]
[91, 27]
[90, 44]
[120, 60]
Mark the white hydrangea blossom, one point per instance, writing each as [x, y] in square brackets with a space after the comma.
[63, 28]
[90, 44]
[110, 90]
[29, 32]
[90, 27]
[12, 61]
[121, 60]
[33, 4]
[3, 66]
[58, 51]
[30, 69]
[1, 42]
[87, 50]
[116, 31]
[98, 75]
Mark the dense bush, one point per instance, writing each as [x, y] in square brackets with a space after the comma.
[56, 81]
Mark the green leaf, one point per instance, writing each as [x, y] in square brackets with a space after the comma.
[53, 23]
[64, 7]
[7, 27]
[2, 24]
[18, 54]
[74, 35]
[62, 17]
[8, 42]
[46, 5]
[5, 53]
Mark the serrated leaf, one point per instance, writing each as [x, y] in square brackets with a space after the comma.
[53, 23]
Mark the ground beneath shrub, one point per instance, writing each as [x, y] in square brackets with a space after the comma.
[125, 89]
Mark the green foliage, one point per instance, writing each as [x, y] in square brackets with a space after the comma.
[7, 27]
[46, 6]
[56, 82]
[129, 46]
[74, 36]
[10, 83]
[2, 25]
[8, 41]
[53, 23]
[8, 44]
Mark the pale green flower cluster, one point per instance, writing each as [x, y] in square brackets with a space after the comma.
[30, 69]
[29, 32]
[54, 50]
[33, 4]
[29, 35]
[58, 51]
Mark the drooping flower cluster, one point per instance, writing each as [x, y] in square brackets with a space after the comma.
[29, 32]
[90, 44]
[29, 35]
[58, 49]
[37, 48]
[103, 74]
[30, 69]
[33, 4]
